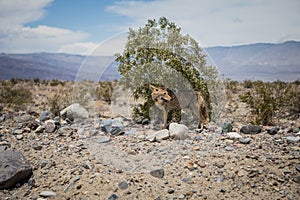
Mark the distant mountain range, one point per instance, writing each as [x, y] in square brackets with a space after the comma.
[261, 61]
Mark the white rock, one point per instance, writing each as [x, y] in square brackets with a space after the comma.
[162, 134]
[75, 111]
[47, 194]
[233, 135]
[159, 135]
[178, 131]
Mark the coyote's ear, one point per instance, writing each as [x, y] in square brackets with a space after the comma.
[152, 87]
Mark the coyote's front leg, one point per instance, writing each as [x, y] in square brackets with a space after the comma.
[165, 118]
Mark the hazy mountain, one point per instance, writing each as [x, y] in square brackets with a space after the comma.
[253, 61]
[258, 61]
[57, 66]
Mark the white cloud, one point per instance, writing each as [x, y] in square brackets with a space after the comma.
[16, 37]
[83, 48]
[217, 22]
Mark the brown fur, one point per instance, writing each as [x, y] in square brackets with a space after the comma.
[166, 100]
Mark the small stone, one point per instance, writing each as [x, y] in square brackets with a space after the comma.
[158, 173]
[296, 179]
[145, 121]
[227, 127]
[198, 138]
[47, 194]
[19, 137]
[250, 129]
[65, 131]
[162, 134]
[171, 190]
[223, 190]
[113, 197]
[273, 130]
[245, 140]
[50, 126]
[298, 168]
[101, 139]
[123, 185]
[37, 147]
[201, 164]
[181, 196]
[46, 115]
[233, 135]
[293, 138]
[44, 163]
[18, 132]
[229, 148]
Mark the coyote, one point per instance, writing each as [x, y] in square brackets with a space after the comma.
[166, 100]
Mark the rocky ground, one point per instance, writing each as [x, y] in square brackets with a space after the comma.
[104, 158]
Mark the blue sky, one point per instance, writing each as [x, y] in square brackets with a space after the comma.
[77, 26]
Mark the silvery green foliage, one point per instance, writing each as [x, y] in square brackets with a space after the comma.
[160, 54]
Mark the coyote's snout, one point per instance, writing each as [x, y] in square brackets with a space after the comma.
[167, 101]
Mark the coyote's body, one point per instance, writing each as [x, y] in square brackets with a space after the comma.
[167, 101]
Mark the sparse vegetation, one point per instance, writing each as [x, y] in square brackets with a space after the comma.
[269, 100]
[14, 95]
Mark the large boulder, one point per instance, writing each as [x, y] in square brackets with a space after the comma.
[75, 111]
[14, 168]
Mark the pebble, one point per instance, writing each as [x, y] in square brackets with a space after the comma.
[158, 173]
[273, 130]
[229, 148]
[233, 135]
[113, 197]
[293, 138]
[123, 185]
[47, 194]
[245, 140]
[250, 129]
[19, 137]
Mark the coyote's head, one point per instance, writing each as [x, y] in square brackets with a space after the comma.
[160, 93]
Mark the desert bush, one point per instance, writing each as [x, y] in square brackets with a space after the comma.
[269, 100]
[159, 54]
[104, 90]
[59, 100]
[15, 95]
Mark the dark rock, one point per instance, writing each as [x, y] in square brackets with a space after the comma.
[46, 115]
[298, 168]
[44, 163]
[112, 126]
[14, 168]
[171, 190]
[145, 121]
[227, 127]
[113, 197]
[158, 173]
[123, 185]
[273, 130]
[250, 129]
